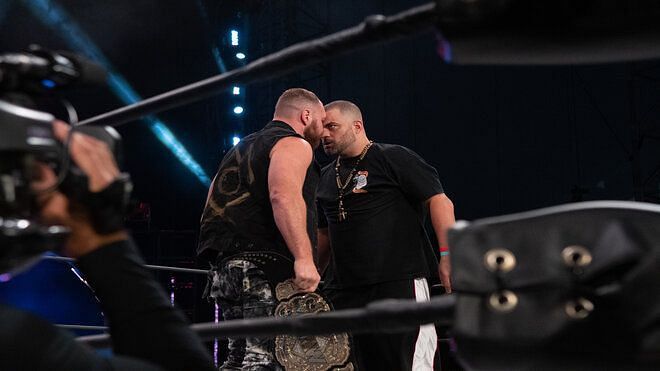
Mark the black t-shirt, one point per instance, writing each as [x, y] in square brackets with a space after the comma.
[238, 215]
[383, 238]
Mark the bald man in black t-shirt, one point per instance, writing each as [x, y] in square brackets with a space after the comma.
[374, 198]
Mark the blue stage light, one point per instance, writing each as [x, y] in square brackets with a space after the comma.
[236, 90]
[235, 140]
[48, 84]
[234, 37]
[240, 55]
[4, 9]
[56, 17]
[238, 110]
[218, 60]
[214, 49]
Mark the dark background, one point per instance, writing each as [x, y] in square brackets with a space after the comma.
[504, 139]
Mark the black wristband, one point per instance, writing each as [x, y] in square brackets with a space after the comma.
[107, 208]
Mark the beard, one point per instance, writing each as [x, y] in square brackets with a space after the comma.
[313, 133]
[340, 145]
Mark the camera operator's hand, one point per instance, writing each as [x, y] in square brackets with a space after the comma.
[91, 155]
[94, 158]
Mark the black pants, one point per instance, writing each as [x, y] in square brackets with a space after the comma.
[411, 350]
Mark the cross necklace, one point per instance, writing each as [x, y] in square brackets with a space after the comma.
[341, 187]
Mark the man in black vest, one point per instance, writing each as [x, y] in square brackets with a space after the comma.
[262, 200]
[374, 198]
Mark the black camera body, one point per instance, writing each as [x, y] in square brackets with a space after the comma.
[27, 138]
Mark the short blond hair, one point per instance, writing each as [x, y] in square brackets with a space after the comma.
[295, 98]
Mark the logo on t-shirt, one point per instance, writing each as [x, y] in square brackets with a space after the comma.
[360, 181]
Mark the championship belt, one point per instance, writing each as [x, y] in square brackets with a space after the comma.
[298, 353]
[308, 353]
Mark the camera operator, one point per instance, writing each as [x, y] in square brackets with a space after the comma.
[147, 332]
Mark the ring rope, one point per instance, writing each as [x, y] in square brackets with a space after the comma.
[391, 315]
[375, 29]
[150, 266]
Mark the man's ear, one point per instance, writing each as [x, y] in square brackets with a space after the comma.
[305, 117]
[358, 126]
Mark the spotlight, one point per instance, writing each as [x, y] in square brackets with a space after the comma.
[240, 55]
[235, 140]
[54, 15]
[234, 37]
[236, 90]
[238, 110]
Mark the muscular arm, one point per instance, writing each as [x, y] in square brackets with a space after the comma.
[323, 249]
[289, 160]
[442, 217]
